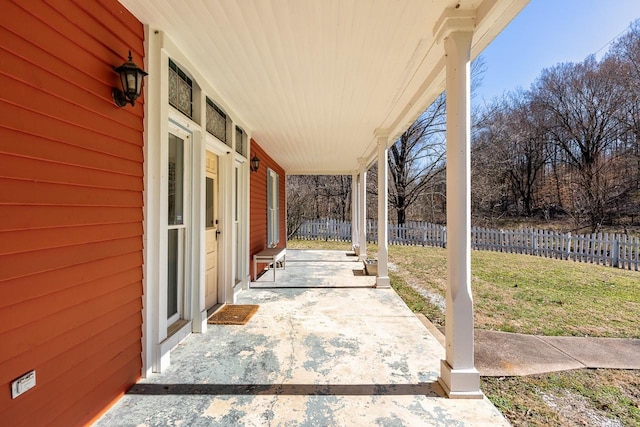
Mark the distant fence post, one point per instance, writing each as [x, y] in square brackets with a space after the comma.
[615, 251]
[444, 237]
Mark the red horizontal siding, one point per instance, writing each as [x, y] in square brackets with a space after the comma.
[59, 372]
[29, 263]
[73, 389]
[30, 335]
[82, 337]
[258, 202]
[20, 119]
[40, 171]
[92, 31]
[33, 286]
[123, 365]
[26, 217]
[71, 182]
[62, 88]
[43, 26]
[33, 240]
[32, 98]
[62, 152]
[28, 311]
[28, 192]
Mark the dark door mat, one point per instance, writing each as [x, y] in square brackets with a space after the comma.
[233, 315]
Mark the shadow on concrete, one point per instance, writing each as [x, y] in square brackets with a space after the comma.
[431, 389]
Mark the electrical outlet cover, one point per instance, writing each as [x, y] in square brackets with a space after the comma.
[22, 384]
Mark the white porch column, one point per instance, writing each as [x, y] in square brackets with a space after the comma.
[354, 210]
[362, 210]
[458, 374]
[382, 281]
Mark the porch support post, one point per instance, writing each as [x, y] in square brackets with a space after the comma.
[354, 210]
[362, 210]
[382, 281]
[458, 375]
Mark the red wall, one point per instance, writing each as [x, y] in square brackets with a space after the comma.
[70, 208]
[258, 203]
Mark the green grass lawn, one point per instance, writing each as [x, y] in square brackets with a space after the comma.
[534, 295]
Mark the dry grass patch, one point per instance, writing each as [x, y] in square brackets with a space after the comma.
[328, 245]
[588, 397]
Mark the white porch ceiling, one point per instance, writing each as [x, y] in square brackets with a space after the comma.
[312, 80]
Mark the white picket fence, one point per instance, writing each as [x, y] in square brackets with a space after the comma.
[413, 233]
[329, 229]
[616, 250]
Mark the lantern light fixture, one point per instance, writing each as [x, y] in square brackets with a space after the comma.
[255, 163]
[131, 80]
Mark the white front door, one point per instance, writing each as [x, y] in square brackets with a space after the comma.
[211, 231]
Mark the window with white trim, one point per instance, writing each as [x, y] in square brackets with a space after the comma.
[273, 209]
[216, 121]
[180, 90]
[240, 141]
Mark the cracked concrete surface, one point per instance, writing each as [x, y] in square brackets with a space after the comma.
[308, 357]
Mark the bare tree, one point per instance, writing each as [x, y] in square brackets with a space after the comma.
[518, 145]
[581, 102]
[299, 202]
[623, 61]
[416, 159]
[317, 196]
[489, 188]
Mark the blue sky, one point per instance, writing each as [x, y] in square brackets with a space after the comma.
[546, 33]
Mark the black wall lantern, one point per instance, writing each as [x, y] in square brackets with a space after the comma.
[131, 80]
[255, 163]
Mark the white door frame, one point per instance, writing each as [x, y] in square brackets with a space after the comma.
[211, 228]
[159, 117]
[184, 231]
[241, 229]
[225, 217]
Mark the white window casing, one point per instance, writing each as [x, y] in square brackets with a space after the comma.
[273, 209]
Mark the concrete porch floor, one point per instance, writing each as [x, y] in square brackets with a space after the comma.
[309, 357]
[317, 268]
